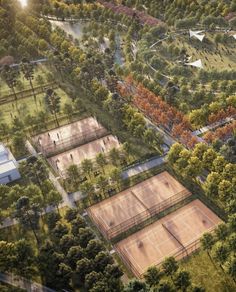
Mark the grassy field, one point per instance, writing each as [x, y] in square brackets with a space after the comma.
[27, 106]
[204, 273]
[39, 70]
[214, 57]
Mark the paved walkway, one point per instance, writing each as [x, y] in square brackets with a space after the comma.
[139, 168]
[67, 201]
[23, 283]
[213, 126]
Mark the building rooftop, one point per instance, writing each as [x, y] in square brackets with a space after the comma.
[8, 166]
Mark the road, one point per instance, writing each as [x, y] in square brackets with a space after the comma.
[23, 283]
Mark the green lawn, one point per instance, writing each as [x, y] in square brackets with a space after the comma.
[205, 274]
[39, 70]
[213, 57]
[28, 106]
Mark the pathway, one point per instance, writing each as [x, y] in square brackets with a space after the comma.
[67, 201]
[141, 167]
[213, 126]
[23, 283]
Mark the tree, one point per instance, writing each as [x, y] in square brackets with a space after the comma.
[101, 260]
[101, 160]
[115, 175]
[10, 75]
[71, 214]
[152, 276]
[28, 214]
[231, 267]
[170, 266]
[85, 235]
[54, 199]
[66, 242]
[91, 279]
[220, 253]
[73, 173]
[102, 183]
[136, 286]
[165, 286]
[182, 280]
[87, 166]
[231, 240]
[52, 219]
[221, 231]
[93, 248]
[52, 101]
[173, 154]
[27, 69]
[114, 155]
[83, 268]
[75, 253]
[59, 231]
[207, 242]
[76, 224]
[113, 271]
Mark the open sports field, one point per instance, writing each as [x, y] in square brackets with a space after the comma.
[62, 161]
[136, 204]
[69, 136]
[177, 234]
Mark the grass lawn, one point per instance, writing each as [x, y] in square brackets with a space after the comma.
[39, 70]
[204, 273]
[27, 106]
[213, 57]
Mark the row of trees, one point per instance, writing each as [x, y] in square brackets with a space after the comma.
[222, 133]
[218, 174]
[71, 257]
[28, 202]
[158, 110]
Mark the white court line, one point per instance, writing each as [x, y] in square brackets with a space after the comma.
[153, 233]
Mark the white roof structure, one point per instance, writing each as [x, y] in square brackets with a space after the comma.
[234, 36]
[197, 64]
[197, 34]
[8, 166]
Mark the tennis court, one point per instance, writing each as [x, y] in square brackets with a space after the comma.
[75, 156]
[177, 234]
[136, 204]
[69, 136]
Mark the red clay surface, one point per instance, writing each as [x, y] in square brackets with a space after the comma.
[66, 132]
[63, 160]
[132, 206]
[170, 236]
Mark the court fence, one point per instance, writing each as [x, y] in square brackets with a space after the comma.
[182, 253]
[74, 141]
[139, 218]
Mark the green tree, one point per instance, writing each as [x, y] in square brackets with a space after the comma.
[101, 160]
[152, 276]
[87, 166]
[220, 253]
[52, 101]
[207, 243]
[27, 69]
[170, 266]
[182, 280]
[28, 214]
[10, 75]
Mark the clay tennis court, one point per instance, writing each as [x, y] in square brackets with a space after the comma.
[177, 234]
[136, 204]
[62, 161]
[73, 134]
